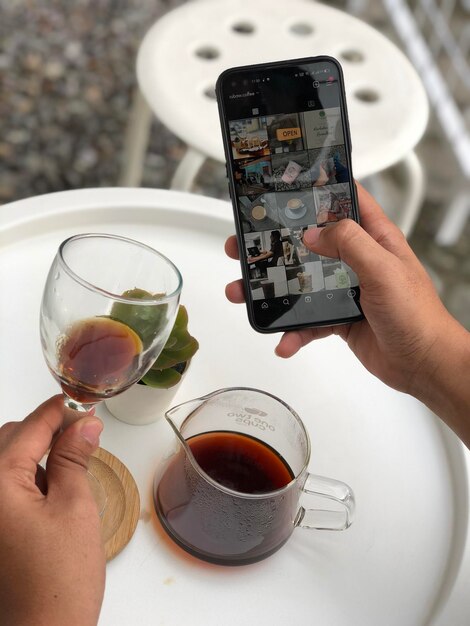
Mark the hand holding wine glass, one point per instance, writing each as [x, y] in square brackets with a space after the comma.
[108, 307]
[53, 562]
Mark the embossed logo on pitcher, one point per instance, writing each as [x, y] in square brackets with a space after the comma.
[256, 412]
[250, 418]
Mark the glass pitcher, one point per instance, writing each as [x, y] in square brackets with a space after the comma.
[230, 491]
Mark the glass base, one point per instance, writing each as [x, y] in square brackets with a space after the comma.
[99, 494]
[98, 491]
[122, 510]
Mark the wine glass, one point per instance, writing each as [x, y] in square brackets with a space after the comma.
[108, 307]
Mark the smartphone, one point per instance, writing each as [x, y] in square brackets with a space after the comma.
[288, 151]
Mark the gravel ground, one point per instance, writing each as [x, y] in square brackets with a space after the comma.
[66, 83]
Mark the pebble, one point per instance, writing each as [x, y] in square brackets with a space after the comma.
[86, 159]
[54, 70]
[17, 136]
[73, 51]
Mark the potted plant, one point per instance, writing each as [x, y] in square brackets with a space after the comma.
[146, 401]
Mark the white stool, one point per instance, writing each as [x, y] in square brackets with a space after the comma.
[183, 53]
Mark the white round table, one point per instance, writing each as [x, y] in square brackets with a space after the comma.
[405, 560]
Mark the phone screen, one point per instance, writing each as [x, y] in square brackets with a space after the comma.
[288, 157]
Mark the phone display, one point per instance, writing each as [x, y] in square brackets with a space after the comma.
[287, 147]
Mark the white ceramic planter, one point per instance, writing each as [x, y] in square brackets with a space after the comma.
[140, 405]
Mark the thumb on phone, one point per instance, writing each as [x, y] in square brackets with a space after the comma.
[349, 242]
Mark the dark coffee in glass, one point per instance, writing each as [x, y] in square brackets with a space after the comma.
[229, 493]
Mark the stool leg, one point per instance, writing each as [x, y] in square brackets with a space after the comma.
[187, 170]
[400, 190]
[456, 216]
[136, 142]
[414, 189]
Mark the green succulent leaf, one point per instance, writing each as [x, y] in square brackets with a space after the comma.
[182, 319]
[169, 358]
[146, 320]
[171, 343]
[180, 346]
[162, 379]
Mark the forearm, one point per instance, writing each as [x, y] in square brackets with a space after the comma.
[50, 604]
[446, 390]
[53, 611]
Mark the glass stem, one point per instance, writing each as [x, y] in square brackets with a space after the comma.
[81, 407]
[73, 411]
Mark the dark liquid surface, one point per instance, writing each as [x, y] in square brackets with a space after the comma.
[215, 525]
[240, 462]
[96, 357]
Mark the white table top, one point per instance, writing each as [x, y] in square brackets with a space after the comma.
[406, 558]
[174, 79]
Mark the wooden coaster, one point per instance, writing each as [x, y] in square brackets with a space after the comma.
[122, 509]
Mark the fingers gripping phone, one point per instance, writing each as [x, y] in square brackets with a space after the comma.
[288, 152]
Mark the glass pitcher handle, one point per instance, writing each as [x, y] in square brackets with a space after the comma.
[321, 519]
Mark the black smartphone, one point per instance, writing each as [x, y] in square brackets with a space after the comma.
[288, 153]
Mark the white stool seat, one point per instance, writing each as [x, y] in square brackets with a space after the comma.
[184, 52]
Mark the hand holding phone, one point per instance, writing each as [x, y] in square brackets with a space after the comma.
[403, 313]
[287, 146]
[407, 338]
